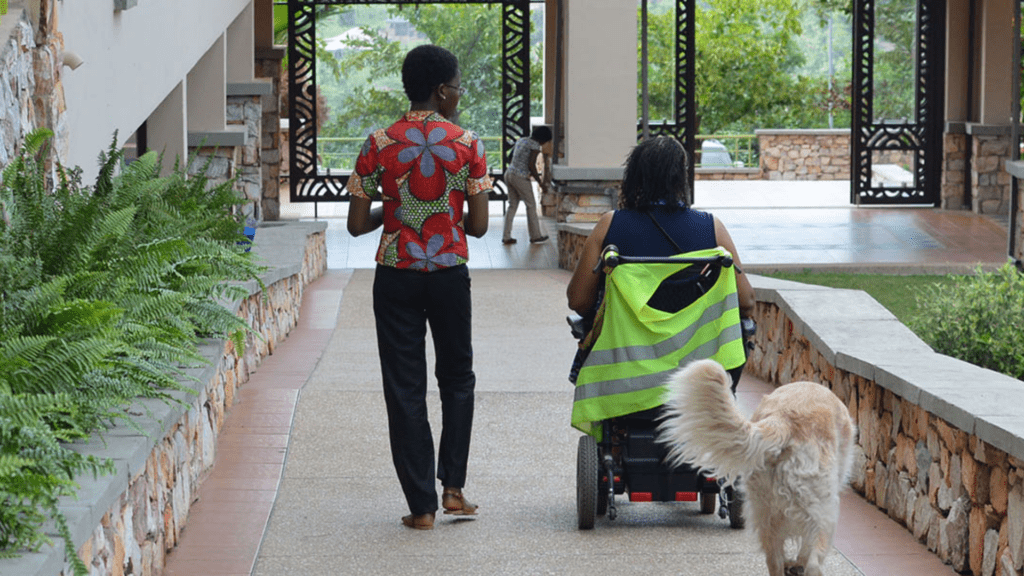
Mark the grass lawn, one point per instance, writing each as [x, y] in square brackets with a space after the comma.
[897, 293]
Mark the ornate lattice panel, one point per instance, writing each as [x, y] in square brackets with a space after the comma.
[682, 126]
[922, 138]
[308, 184]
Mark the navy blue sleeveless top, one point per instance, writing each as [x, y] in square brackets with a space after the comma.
[635, 235]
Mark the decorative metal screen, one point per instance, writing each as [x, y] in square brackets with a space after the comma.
[920, 138]
[307, 183]
[683, 125]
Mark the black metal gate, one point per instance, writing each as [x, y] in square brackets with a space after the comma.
[683, 125]
[307, 184]
[921, 137]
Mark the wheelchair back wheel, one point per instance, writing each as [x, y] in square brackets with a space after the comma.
[587, 475]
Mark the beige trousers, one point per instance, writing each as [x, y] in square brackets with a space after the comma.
[520, 189]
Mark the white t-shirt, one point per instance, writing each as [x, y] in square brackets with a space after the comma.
[521, 156]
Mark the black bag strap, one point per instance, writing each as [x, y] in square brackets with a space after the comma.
[671, 241]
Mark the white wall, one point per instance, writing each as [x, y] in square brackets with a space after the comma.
[601, 82]
[133, 60]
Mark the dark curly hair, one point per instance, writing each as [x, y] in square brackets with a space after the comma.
[425, 68]
[541, 134]
[656, 174]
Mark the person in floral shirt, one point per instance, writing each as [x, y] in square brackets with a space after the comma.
[426, 170]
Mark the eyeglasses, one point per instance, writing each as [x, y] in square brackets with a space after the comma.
[462, 91]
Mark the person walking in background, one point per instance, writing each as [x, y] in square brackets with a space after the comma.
[520, 189]
[427, 170]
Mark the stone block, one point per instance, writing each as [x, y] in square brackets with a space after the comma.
[906, 455]
[1015, 525]
[923, 462]
[956, 534]
[990, 549]
[935, 481]
[977, 535]
[924, 517]
[1006, 566]
[881, 478]
[998, 491]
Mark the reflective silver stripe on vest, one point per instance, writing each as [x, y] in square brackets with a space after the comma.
[650, 352]
[638, 383]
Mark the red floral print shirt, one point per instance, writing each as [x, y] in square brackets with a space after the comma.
[424, 167]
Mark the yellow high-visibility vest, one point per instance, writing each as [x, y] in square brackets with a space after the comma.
[638, 346]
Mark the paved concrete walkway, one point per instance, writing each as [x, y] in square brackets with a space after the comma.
[339, 504]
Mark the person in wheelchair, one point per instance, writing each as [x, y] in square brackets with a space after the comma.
[652, 220]
[618, 397]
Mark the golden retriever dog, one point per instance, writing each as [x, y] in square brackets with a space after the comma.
[792, 457]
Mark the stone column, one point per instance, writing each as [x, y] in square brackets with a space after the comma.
[954, 163]
[598, 115]
[246, 110]
[268, 66]
[1015, 169]
[990, 148]
[581, 203]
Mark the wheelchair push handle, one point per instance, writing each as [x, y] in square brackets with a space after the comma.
[611, 258]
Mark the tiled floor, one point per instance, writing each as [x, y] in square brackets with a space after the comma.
[774, 225]
[227, 523]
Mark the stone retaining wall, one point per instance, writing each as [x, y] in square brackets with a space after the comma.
[126, 523]
[939, 448]
[727, 174]
[804, 154]
[814, 155]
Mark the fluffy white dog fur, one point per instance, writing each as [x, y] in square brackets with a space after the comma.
[792, 457]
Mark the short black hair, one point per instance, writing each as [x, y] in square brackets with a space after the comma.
[425, 68]
[656, 174]
[541, 134]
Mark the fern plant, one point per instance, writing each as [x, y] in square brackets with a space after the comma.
[104, 292]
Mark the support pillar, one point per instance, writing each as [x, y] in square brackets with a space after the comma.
[598, 115]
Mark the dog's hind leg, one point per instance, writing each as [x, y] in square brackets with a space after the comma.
[813, 551]
[773, 543]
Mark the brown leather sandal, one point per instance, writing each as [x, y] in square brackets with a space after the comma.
[455, 503]
[419, 521]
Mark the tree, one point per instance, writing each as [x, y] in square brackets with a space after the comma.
[746, 63]
[471, 31]
[895, 56]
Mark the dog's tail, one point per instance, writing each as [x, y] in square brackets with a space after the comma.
[702, 425]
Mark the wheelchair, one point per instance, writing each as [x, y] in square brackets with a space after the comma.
[655, 314]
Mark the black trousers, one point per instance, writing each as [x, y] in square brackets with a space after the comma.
[404, 303]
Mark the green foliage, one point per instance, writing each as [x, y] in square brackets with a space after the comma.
[747, 60]
[978, 319]
[36, 469]
[371, 96]
[104, 293]
[472, 32]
